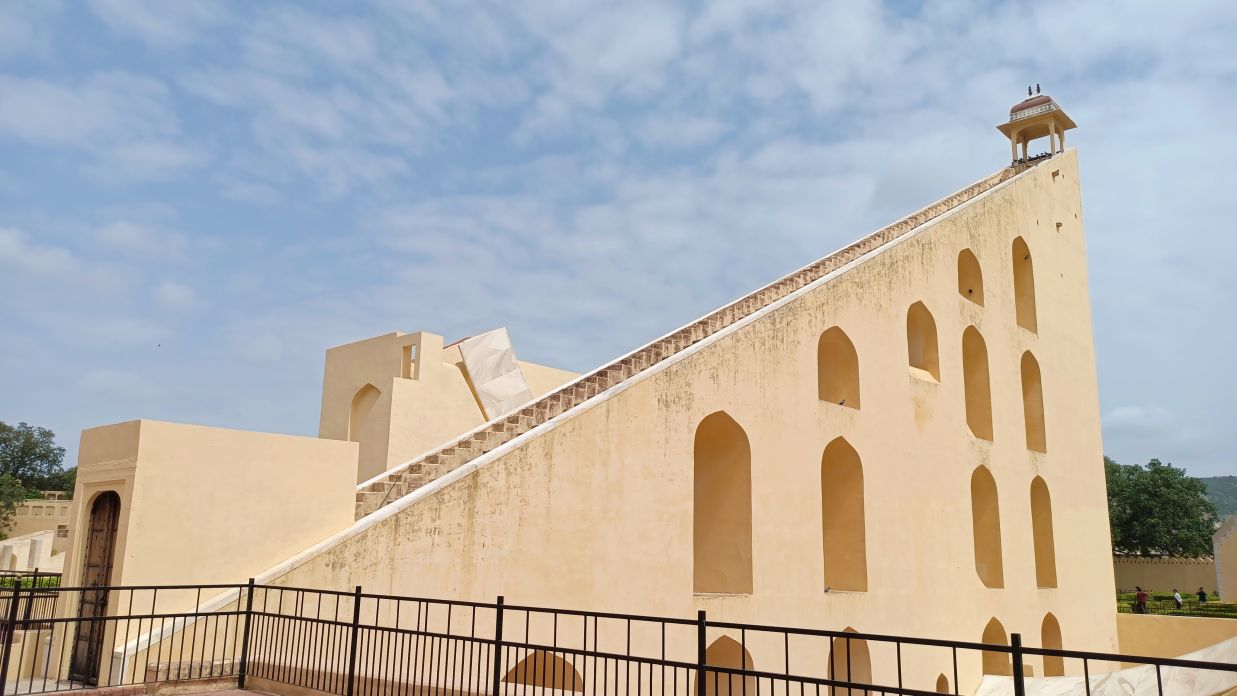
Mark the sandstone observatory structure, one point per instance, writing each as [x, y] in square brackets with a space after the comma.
[902, 437]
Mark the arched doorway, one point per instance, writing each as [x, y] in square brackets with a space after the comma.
[728, 653]
[996, 662]
[849, 661]
[96, 575]
[545, 670]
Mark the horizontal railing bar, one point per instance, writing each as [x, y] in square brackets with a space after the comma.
[585, 652]
[121, 588]
[879, 637]
[818, 681]
[364, 595]
[367, 627]
[129, 617]
[1111, 657]
[602, 615]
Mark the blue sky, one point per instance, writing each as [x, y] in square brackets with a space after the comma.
[196, 199]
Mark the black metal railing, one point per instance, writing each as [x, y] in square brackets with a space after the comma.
[359, 644]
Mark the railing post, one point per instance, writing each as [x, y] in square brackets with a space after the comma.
[498, 647]
[352, 642]
[701, 649]
[9, 629]
[244, 670]
[1015, 642]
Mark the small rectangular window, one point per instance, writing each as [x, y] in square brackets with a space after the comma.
[62, 530]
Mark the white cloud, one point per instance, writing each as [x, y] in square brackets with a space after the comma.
[175, 296]
[679, 131]
[21, 255]
[159, 23]
[124, 120]
[119, 384]
[105, 107]
[265, 347]
[1137, 418]
[592, 174]
[142, 240]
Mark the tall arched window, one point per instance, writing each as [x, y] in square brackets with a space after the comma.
[986, 528]
[1041, 528]
[727, 652]
[850, 660]
[358, 415]
[970, 278]
[1050, 638]
[977, 387]
[1024, 286]
[837, 369]
[842, 522]
[996, 662]
[722, 520]
[921, 342]
[545, 670]
[1033, 404]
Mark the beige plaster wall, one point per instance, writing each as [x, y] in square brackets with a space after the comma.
[595, 511]
[425, 397]
[37, 515]
[1224, 546]
[1170, 636]
[1164, 574]
[209, 505]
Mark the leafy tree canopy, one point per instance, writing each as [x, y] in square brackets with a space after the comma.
[1157, 510]
[12, 493]
[31, 456]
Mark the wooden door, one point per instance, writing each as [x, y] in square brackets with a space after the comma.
[96, 576]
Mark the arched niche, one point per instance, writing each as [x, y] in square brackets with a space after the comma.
[722, 507]
[842, 518]
[1050, 638]
[851, 661]
[997, 663]
[970, 277]
[921, 343]
[837, 369]
[1041, 528]
[1033, 404]
[726, 652]
[1024, 286]
[977, 386]
[545, 670]
[358, 414]
[986, 528]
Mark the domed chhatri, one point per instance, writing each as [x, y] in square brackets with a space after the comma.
[1035, 117]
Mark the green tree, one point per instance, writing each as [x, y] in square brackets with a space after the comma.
[31, 456]
[1158, 510]
[12, 493]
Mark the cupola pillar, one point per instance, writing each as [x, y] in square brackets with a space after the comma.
[1035, 117]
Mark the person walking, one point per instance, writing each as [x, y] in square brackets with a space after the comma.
[1140, 601]
[1202, 596]
[1177, 597]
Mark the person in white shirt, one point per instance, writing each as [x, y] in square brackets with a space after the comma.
[1177, 597]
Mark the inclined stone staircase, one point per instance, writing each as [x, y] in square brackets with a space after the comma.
[406, 479]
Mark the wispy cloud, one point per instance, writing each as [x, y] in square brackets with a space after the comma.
[202, 191]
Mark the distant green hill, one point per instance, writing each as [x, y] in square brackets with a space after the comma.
[1222, 490]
